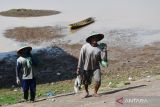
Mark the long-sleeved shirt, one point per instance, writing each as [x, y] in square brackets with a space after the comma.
[24, 64]
[90, 57]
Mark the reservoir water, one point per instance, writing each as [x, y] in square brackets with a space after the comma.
[124, 22]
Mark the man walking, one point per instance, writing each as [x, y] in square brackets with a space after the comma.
[90, 58]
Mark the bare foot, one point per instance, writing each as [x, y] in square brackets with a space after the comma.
[96, 95]
[86, 95]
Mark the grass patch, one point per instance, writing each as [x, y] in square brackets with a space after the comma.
[9, 96]
[117, 79]
[55, 88]
[28, 13]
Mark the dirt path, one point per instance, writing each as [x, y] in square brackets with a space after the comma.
[107, 99]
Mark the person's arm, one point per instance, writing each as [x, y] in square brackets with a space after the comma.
[81, 59]
[18, 68]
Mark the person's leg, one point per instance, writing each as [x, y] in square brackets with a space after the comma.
[97, 78]
[25, 87]
[96, 88]
[86, 81]
[86, 90]
[32, 89]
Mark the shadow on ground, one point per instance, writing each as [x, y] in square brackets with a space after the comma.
[122, 89]
[54, 64]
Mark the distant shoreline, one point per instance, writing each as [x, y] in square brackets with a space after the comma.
[28, 13]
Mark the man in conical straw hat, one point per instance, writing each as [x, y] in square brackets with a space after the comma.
[89, 62]
[24, 65]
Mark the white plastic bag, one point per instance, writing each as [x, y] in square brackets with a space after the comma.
[77, 84]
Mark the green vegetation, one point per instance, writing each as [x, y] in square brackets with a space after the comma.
[110, 80]
[9, 96]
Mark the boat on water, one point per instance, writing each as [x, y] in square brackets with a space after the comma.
[82, 23]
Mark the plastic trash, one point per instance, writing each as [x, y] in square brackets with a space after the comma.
[109, 84]
[49, 94]
[104, 63]
[148, 78]
[129, 78]
[15, 90]
[58, 73]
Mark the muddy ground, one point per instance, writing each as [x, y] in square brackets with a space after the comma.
[58, 61]
[63, 59]
[34, 35]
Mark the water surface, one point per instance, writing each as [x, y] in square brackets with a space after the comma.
[134, 22]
